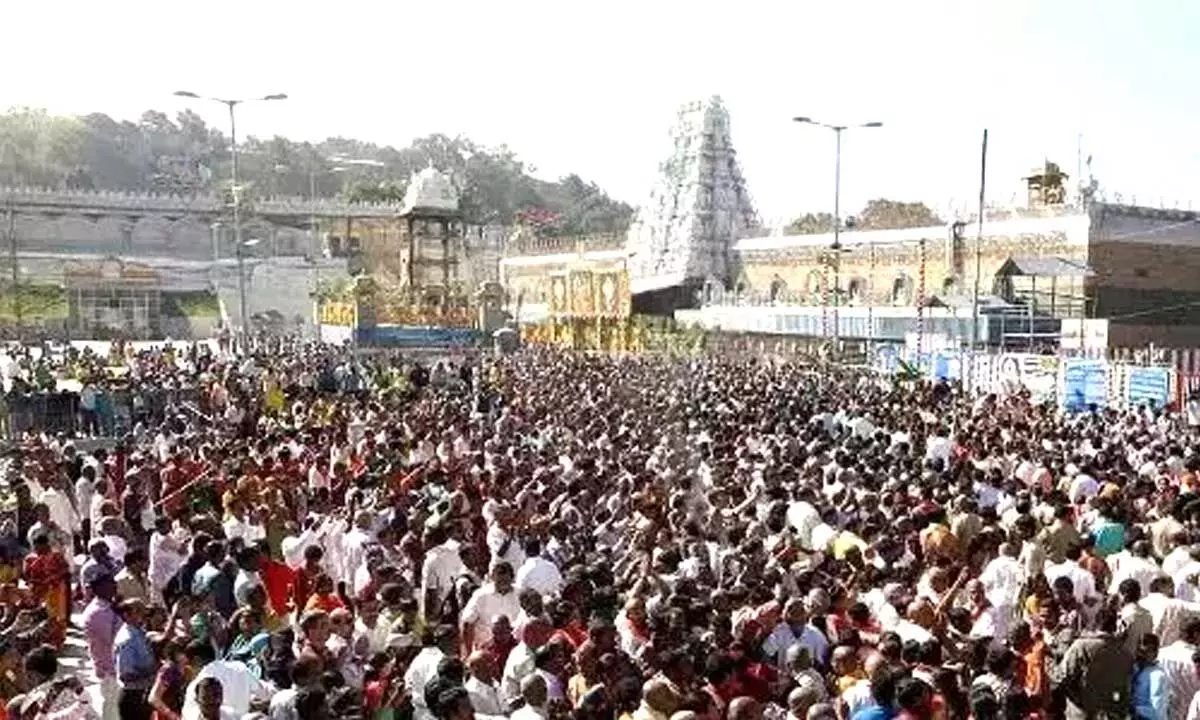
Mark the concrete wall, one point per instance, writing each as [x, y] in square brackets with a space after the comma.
[1147, 265]
[283, 284]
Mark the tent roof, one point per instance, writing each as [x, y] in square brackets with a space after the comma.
[1034, 266]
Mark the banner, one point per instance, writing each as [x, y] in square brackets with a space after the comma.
[946, 365]
[417, 337]
[1148, 386]
[1084, 384]
[612, 293]
[583, 294]
[560, 301]
[1037, 374]
[333, 312]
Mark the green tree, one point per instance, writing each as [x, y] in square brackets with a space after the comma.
[184, 155]
[810, 224]
[882, 214]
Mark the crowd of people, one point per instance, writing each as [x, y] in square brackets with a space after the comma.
[559, 535]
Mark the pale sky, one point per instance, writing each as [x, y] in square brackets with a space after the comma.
[592, 88]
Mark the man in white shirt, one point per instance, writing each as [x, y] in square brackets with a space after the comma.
[481, 685]
[536, 697]
[240, 685]
[489, 602]
[441, 568]
[537, 573]
[424, 668]
[1003, 577]
[792, 630]
[1170, 614]
[1082, 581]
[520, 664]
[500, 540]
[1179, 669]
[1139, 566]
[62, 510]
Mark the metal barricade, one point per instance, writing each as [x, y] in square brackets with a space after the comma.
[117, 410]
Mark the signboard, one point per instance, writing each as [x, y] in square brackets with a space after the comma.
[417, 337]
[1038, 374]
[333, 312]
[946, 365]
[1085, 383]
[887, 359]
[1148, 386]
[1088, 334]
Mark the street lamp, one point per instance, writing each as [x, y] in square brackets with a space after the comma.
[237, 194]
[837, 213]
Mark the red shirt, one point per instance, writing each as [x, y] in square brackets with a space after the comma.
[278, 580]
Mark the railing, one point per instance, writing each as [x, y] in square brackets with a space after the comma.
[116, 413]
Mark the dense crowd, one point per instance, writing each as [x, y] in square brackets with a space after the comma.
[554, 535]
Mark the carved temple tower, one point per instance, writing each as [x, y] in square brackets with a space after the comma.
[683, 235]
[432, 225]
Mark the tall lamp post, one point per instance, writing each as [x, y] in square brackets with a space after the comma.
[836, 248]
[236, 190]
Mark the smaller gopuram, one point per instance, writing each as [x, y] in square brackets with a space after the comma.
[413, 288]
[432, 240]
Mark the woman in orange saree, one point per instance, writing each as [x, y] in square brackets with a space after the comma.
[47, 572]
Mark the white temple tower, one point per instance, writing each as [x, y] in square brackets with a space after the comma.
[684, 233]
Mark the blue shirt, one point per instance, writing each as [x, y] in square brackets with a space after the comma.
[1149, 694]
[1109, 537]
[875, 712]
[136, 665]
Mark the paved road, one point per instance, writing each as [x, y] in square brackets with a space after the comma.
[73, 660]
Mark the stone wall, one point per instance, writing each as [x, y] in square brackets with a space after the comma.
[886, 267]
[283, 284]
[1147, 262]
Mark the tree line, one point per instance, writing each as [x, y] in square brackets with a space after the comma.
[879, 214]
[183, 155]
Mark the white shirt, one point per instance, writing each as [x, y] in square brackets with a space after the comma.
[239, 684]
[1143, 570]
[1083, 583]
[1003, 578]
[84, 490]
[485, 605]
[485, 698]
[1169, 615]
[513, 554]
[541, 575]
[784, 637]
[62, 512]
[442, 566]
[518, 666]
[1180, 676]
[423, 669]
[1083, 487]
[1175, 560]
[803, 518]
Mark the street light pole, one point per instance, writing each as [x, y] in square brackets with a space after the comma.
[837, 240]
[239, 247]
[837, 216]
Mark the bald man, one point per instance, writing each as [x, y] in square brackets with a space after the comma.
[744, 708]
[481, 685]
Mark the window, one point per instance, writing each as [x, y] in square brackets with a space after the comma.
[902, 290]
[855, 289]
[778, 289]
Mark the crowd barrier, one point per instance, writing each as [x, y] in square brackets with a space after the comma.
[117, 411]
[1075, 383]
